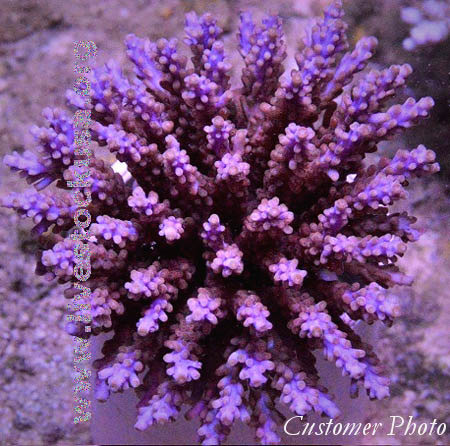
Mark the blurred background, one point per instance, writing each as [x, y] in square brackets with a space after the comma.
[36, 67]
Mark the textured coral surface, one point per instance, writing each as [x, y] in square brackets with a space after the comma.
[253, 231]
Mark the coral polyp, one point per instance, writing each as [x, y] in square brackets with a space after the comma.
[253, 232]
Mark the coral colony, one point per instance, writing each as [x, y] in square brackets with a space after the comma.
[253, 232]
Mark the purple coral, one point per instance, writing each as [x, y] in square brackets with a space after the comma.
[253, 231]
[429, 20]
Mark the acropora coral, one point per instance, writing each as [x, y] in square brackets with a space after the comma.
[254, 230]
[429, 20]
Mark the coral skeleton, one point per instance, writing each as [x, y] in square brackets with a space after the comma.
[254, 232]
